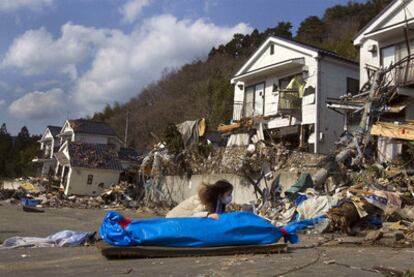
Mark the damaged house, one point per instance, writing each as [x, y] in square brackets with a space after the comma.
[285, 84]
[385, 43]
[91, 157]
[49, 144]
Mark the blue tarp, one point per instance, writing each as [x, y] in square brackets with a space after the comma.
[238, 228]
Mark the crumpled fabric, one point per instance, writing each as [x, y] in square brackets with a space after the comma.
[315, 206]
[189, 131]
[236, 228]
[59, 239]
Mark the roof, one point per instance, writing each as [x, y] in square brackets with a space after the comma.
[373, 20]
[91, 127]
[97, 156]
[55, 130]
[307, 46]
[128, 153]
[320, 50]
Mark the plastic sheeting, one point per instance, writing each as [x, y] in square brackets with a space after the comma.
[62, 238]
[238, 228]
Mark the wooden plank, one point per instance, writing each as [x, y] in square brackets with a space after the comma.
[403, 131]
[227, 128]
[113, 252]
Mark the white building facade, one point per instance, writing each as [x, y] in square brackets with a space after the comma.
[287, 83]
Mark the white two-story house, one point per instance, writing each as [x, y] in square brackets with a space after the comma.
[49, 144]
[287, 82]
[386, 42]
[382, 42]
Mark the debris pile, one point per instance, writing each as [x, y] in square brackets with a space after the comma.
[40, 192]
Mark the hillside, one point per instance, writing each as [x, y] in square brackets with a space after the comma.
[203, 89]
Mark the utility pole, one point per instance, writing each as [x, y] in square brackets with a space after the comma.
[126, 129]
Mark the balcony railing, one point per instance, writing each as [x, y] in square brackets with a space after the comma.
[238, 110]
[404, 72]
[289, 101]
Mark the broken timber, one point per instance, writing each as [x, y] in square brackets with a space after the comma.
[397, 131]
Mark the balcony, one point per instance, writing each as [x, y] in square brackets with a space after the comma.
[404, 73]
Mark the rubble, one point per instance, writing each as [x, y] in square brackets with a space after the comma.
[39, 195]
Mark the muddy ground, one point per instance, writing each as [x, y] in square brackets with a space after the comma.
[304, 259]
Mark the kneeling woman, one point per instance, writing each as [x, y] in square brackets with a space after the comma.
[210, 201]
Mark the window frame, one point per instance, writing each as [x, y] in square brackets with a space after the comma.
[89, 180]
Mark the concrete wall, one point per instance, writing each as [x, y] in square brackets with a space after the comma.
[78, 178]
[182, 188]
[333, 84]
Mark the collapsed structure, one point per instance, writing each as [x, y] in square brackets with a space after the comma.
[87, 156]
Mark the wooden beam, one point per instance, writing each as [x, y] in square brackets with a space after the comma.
[397, 131]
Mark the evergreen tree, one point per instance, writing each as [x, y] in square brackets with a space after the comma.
[6, 144]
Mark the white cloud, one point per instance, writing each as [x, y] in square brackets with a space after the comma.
[39, 105]
[122, 63]
[132, 9]
[36, 52]
[127, 63]
[13, 5]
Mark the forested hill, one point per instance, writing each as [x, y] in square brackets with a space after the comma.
[203, 89]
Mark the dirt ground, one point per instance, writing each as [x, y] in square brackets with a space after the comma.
[302, 260]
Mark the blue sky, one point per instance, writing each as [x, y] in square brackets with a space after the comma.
[61, 58]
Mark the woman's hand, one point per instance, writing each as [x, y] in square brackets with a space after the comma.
[214, 216]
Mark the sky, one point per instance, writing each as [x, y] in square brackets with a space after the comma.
[67, 59]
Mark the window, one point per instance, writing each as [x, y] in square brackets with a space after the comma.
[387, 56]
[90, 179]
[254, 100]
[272, 49]
[352, 86]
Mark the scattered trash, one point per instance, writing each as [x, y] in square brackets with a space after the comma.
[60, 239]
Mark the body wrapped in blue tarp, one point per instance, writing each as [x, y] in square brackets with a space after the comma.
[237, 228]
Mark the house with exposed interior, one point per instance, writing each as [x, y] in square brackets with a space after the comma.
[88, 169]
[91, 157]
[285, 84]
[386, 42]
[49, 144]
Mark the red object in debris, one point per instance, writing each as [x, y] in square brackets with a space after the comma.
[124, 222]
[284, 232]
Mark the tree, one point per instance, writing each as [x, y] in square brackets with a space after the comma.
[283, 29]
[6, 145]
[23, 139]
[312, 30]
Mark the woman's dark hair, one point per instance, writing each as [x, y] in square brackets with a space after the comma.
[209, 194]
